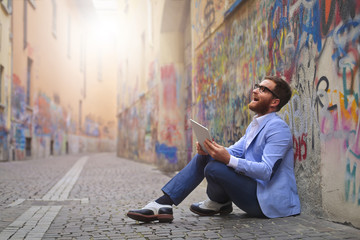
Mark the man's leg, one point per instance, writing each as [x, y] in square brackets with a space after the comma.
[224, 185]
[176, 190]
[183, 183]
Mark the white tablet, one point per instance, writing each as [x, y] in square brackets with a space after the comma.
[201, 132]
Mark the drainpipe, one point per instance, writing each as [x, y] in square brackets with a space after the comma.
[11, 139]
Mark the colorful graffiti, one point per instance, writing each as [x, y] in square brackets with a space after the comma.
[18, 99]
[171, 135]
[138, 129]
[49, 124]
[208, 15]
[4, 132]
[22, 119]
[151, 128]
[315, 46]
[91, 127]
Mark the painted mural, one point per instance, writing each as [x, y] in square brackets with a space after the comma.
[49, 120]
[50, 125]
[4, 132]
[138, 129]
[170, 119]
[153, 128]
[315, 46]
[208, 15]
[22, 120]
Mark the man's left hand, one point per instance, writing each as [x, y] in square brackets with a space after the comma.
[217, 151]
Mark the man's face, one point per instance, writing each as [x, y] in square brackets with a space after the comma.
[262, 100]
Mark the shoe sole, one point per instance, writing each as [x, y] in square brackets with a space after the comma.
[163, 218]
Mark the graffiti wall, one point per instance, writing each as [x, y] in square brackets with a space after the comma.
[4, 132]
[315, 45]
[138, 129]
[171, 120]
[22, 121]
[49, 120]
[50, 129]
[153, 128]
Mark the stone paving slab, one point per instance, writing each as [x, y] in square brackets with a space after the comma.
[113, 186]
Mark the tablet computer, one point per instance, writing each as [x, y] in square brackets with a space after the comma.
[201, 132]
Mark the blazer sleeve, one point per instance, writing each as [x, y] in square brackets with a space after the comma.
[238, 148]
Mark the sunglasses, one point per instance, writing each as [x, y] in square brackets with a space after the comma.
[264, 89]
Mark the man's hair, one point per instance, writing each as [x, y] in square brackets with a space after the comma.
[282, 90]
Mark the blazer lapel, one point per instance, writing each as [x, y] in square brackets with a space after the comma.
[261, 128]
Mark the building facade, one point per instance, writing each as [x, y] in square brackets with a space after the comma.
[63, 81]
[200, 59]
[5, 76]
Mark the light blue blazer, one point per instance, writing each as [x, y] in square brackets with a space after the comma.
[269, 159]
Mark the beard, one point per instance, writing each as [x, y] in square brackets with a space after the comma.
[260, 107]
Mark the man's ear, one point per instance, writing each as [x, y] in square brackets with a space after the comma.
[275, 102]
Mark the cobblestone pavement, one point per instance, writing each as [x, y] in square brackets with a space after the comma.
[87, 197]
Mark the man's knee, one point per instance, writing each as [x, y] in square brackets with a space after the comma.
[214, 168]
[201, 160]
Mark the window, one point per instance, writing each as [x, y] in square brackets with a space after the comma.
[7, 4]
[99, 66]
[80, 114]
[82, 53]
[54, 17]
[32, 2]
[1, 80]
[0, 35]
[51, 147]
[69, 36]
[28, 81]
[25, 24]
[28, 146]
[149, 21]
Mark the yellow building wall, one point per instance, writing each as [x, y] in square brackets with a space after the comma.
[5, 84]
[66, 110]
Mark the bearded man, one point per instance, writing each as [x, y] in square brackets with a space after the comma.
[256, 173]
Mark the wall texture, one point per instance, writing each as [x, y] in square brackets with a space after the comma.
[5, 76]
[314, 44]
[59, 104]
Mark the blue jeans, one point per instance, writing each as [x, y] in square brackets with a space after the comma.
[224, 184]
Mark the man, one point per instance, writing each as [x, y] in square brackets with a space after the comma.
[256, 173]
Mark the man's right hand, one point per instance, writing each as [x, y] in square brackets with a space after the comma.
[199, 149]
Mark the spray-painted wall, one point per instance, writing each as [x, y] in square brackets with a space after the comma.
[5, 76]
[52, 129]
[151, 129]
[59, 103]
[315, 45]
[153, 106]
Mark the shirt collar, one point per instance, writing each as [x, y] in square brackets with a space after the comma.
[261, 119]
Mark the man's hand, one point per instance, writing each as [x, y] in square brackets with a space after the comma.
[199, 149]
[217, 151]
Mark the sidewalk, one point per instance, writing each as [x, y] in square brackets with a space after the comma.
[87, 197]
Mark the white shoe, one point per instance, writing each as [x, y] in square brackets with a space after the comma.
[209, 207]
[151, 212]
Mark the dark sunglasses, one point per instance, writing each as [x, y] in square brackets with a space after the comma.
[264, 89]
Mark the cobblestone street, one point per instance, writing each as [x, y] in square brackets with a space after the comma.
[87, 197]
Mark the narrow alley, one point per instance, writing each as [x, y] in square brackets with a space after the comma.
[87, 197]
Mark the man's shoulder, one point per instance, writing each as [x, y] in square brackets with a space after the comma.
[277, 121]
